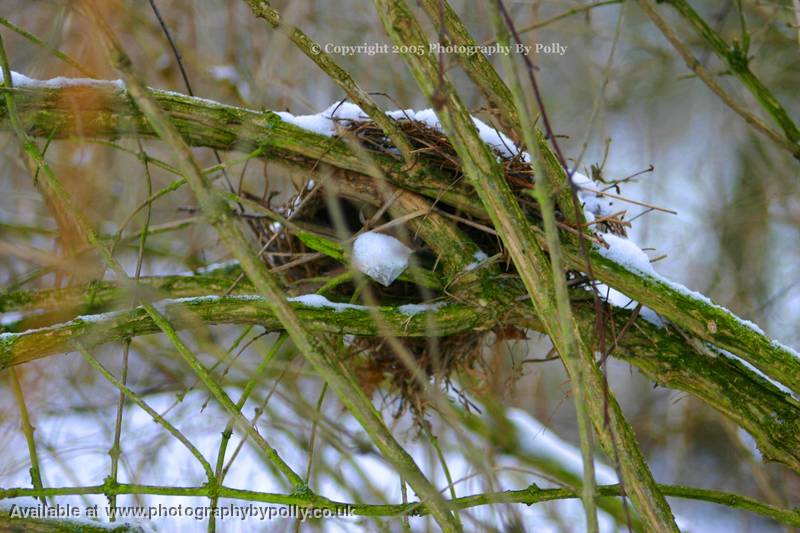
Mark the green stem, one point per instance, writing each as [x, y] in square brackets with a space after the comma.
[495, 90]
[27, 430]
[133, 397]
[222, 397]
[649, 8]
[319, 353]
[56, 53]
[227, 433]
[263, 10]
[486, 176]
[736, 58]
[569, 335]
[527, 496]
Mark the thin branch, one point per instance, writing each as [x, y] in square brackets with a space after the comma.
[528, 496]
[56, 53]
[735, 56]
[485, 175]
[319, 354]
[133, 397]
[570, 344]
[27, 430]
[694, 64]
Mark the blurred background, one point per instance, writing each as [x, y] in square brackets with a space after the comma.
[638, 110]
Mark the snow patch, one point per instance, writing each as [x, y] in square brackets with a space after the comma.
[12, 317]
[535, 439]
[595, 205]
[488, 134]
[479, 257]
[317, 300]
[729, 355]
[626, 253]
[381, 257]
[20, 80]
[415, 309]
[324, 122]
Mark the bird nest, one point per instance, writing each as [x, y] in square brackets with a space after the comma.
[375, 360]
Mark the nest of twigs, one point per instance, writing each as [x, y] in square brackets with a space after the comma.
[374, 359]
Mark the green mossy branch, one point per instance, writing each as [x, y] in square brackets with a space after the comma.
[94, 330]
[106, 113]
[97, 111]
[661, 354]
[485, 174]
[46, 110]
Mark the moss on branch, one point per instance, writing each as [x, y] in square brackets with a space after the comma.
[767, 413]
[102, 112]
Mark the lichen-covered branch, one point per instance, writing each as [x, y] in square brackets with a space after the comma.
[102, 111]
[486, 176]
[319, 353]
[93, 330]
[662, 354]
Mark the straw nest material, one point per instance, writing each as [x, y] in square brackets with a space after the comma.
[375, 360]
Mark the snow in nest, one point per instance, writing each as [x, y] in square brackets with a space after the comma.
[488, 134]
[325, 122]
[381, 257]
[595, 205]
[20, 80]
